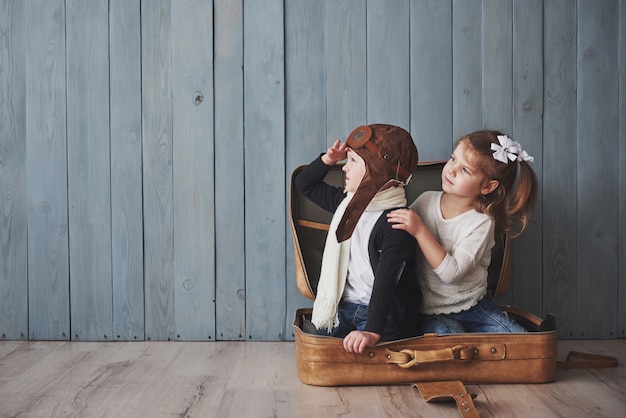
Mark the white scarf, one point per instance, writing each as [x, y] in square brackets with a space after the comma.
[337, 255]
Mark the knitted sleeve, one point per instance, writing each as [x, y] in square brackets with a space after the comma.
[468, 253]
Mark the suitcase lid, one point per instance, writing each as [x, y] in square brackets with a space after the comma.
[309, 226]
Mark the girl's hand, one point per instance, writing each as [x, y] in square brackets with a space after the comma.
[356, 341]
[336, 152]
[412, 223]
[407, 220]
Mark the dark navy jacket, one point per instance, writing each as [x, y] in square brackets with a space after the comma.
[396, 291]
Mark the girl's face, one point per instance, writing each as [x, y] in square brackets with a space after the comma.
[462, 177]
[355, 171]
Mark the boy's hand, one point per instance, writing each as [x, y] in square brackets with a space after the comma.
[356, 341]
[336, 152]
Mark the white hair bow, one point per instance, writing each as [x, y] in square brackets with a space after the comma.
[509, 150]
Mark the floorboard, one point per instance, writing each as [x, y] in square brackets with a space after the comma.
[250, 379]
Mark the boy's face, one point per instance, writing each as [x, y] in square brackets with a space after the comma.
[355, 171]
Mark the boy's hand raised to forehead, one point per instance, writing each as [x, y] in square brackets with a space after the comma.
[336, 152]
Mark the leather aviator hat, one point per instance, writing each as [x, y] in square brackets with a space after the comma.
[390, 159]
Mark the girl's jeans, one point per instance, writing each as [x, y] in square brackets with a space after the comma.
[483, 317]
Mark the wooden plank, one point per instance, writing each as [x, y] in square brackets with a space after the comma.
[497, 65]
[345, 49]
[467, 67]
[497, 80]
[46, 163]
[621, 273]
[305, 122]
[264, 106]
[559, 183]
[430, 78]
[13, 193]
[497, 69]
[527, 127]
[346, 73]
[194, 231]
[229, 170]
[597, 164]
[260, 379]
[89, 169]
[157, 170]
[126, 182]
[388, 95]
[251, 391]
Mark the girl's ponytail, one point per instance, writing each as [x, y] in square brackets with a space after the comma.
[512, 203]
[523, 201]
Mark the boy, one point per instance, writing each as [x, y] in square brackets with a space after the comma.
[368, 290]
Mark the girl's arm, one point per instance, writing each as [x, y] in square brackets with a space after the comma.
[472, 248]
[411, 222]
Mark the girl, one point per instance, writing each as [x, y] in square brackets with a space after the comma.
[454, 229]
[368, 289]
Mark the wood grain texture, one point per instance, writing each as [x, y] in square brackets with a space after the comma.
[346, 73]
[193, 182]
[46, 161]
[621, 273]
[305, 97]
[527, 111]
[559, 184]
[159, 379]
[230, 271]
[265, 206]
[431, 75]
[177, 208]
[467, 69]
[157, 131]
[13, 219]
[388, 94]
[89, 169]
[497, 64]
[597, 125]
[497, 71]
[126, 167]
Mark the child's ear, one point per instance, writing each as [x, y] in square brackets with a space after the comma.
[489, 187]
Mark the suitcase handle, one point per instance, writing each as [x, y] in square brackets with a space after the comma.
[416, 357]
[408, 358]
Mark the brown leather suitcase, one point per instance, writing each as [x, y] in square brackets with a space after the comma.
[469, 358]
[438, 365]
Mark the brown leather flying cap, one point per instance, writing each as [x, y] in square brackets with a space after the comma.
[390, 159]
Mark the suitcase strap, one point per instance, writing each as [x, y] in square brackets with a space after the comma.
[445, 391]
[455, 390]
[408, 358]
[579, 360]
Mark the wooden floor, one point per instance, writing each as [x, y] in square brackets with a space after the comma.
[247, 379]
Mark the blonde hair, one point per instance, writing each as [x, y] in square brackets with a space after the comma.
[513, 201]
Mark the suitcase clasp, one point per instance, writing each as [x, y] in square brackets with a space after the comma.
[411, 358]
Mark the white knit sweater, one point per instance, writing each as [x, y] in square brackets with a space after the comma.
[460, 281]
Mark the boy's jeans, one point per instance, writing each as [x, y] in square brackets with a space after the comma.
[353, 316]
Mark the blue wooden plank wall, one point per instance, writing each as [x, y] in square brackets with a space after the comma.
[126, 171]
[146, 148]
